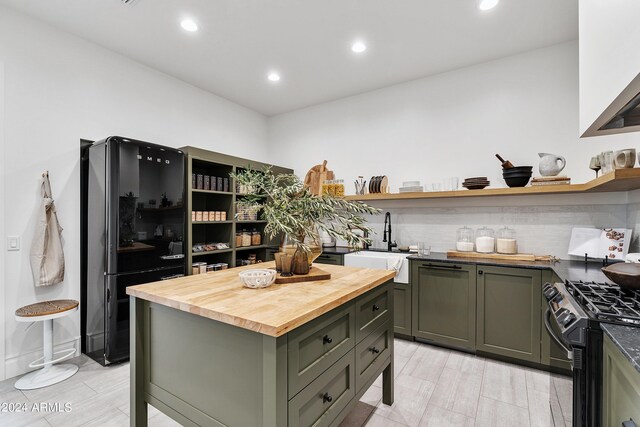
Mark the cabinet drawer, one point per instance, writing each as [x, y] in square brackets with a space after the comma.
[330, 259]
[372, 310]
[323, 400]
[312, 348]
[372, 352]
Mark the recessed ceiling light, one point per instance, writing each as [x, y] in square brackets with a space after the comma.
[487, 4]
[358, 47]
[273, 77]
[189, 25]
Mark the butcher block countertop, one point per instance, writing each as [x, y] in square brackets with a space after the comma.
[272, 311]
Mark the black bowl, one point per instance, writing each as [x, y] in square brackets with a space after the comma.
[517, 175]
[517, 182]
[518, 169]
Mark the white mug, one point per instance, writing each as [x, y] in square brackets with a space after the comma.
[624, 159]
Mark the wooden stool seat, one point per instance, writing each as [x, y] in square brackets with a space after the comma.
[46, 308]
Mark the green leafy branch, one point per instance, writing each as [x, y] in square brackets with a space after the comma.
[290, 208]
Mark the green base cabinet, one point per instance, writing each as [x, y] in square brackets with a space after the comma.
[621, 387]
[444, 303]
[402, 309]
[509, 318]
[333, 259]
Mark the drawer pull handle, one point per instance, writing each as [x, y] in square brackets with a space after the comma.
[452, 267]
[374, 350]
[326, 398]
[327, 339]
[375, 307]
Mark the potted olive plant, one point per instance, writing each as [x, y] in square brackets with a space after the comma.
[293, 212]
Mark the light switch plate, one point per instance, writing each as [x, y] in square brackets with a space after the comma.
[13, 243]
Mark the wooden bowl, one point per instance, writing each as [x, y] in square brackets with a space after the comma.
[627, 275]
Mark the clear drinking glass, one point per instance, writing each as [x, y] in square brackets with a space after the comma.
[454, 183]
[424, 249]
[436, 186]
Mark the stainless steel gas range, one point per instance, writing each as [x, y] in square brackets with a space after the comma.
[573, 318]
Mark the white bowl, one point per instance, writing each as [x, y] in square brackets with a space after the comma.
[258, 278]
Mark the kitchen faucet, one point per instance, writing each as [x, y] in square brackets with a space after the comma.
[386, 237]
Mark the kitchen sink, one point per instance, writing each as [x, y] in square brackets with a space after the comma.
[371, 259]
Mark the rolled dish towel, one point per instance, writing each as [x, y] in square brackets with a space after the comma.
[394, 263]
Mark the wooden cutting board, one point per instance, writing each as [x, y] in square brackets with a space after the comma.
[316, 176]
[314, 274]
[515, 257]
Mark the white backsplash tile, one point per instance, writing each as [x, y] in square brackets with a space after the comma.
[542, 230]
[633, 222]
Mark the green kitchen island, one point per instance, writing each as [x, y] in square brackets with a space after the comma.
[207, 351]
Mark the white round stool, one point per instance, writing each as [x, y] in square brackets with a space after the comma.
[50, 374]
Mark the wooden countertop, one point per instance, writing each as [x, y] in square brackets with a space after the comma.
[272, 311]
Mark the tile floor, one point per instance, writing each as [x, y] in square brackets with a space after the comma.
[434, 387]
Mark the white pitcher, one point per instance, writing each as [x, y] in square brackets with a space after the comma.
[551, 164]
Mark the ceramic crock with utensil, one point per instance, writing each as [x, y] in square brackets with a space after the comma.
[551, 164]
[627, 275]
[624, 159]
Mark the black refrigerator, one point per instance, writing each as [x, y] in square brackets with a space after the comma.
[133, 232]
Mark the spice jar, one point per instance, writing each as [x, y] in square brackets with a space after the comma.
[238, 240]
[485, 240]
[506, 242]
[464, 240]
[256, 238]
[246, 238]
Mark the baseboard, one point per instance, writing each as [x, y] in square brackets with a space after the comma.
[19, 364]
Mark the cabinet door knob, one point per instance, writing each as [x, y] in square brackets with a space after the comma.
[327, 339]
[326, 398]
[375, 307]
[374, 350]
[480, 272]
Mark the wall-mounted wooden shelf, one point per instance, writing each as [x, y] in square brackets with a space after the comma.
[619, 180]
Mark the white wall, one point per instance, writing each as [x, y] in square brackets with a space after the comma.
[450, 124]
[2, 232]
[60, 89]
[609, 54]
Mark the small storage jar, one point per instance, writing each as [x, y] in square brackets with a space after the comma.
[506, 242]
[464, 240]
[485, 240]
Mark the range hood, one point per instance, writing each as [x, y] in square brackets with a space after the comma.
[622, 115]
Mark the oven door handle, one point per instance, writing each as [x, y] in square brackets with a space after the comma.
[547, 325]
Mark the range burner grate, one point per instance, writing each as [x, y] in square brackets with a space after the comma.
[607, 302]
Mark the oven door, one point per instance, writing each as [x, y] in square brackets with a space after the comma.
[553, 329]
[560, 386]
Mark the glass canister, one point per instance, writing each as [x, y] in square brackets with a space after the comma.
[246, 238]
[506, 242]
[256, 238]
[485, 240]
[464, 239]
[339, 188]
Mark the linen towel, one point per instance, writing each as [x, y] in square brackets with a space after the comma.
[47, 256]
[394, 263]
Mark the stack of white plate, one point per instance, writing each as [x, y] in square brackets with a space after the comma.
[411, 187]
